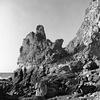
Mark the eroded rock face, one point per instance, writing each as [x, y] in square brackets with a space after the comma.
[89, 29]
[36, 48]
[74, 68]
[38, 58]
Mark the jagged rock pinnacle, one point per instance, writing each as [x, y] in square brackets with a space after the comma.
[36, 49]
[40, 33]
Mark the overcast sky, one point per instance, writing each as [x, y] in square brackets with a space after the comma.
[61, 19]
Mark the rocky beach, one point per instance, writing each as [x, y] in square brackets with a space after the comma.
[49, 71]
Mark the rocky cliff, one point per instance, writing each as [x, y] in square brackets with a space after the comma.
[69, 70]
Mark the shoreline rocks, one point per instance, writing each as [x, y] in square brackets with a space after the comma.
[65, 71]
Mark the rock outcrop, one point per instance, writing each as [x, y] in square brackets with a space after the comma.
[75, 68]
[88, 33]
[36, 49]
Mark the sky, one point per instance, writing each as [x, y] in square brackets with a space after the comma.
[60, 18]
